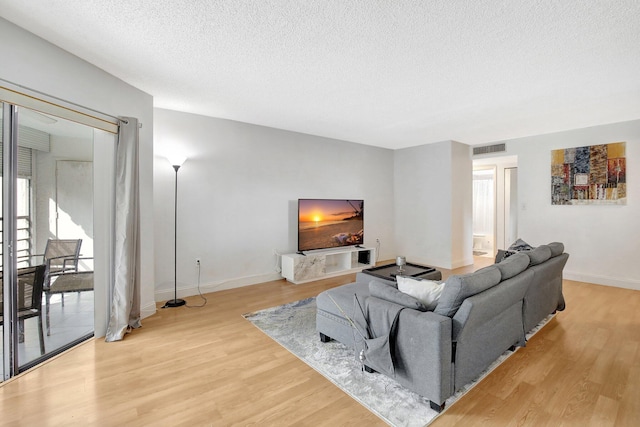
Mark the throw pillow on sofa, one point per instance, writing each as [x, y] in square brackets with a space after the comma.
[426, 291]
[520, 245]
[502, 255]
[517, 246]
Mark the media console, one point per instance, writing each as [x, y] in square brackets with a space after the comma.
[316, 265]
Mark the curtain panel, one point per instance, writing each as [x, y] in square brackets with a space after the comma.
[125, 303]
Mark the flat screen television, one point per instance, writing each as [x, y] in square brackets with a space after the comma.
[329, 223]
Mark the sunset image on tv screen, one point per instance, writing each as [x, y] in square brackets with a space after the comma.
[324, 223]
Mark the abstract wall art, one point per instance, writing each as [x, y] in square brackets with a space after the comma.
[592, 175]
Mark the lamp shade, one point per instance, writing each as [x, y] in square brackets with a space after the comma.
[176, 159]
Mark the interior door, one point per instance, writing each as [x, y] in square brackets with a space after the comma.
[510, 205]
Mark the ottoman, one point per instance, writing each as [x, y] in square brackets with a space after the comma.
[335, 305]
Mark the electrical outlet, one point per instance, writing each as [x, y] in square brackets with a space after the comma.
[377, 240]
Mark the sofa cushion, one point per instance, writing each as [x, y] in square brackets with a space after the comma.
[513, 265]
[459, 287]
[539, 255]
[426, 291]
[389, 293]
[557, 248]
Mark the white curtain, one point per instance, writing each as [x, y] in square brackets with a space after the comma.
[483, 203]
[125, 304]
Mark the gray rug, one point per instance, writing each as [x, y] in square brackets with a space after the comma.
[293, 326]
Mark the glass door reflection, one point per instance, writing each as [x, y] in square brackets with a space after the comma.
[5, 338]
[61, 221]
[55, 230]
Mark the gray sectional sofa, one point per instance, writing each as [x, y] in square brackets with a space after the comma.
[477, 318]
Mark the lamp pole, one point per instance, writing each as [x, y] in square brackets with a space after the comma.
[175, 302]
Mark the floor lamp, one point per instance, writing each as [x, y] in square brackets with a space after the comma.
[176, 162]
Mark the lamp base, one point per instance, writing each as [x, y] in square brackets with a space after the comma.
[175, 303]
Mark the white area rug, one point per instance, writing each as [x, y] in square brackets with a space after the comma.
[293, 326]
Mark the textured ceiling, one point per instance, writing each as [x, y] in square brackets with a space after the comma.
[385, 73]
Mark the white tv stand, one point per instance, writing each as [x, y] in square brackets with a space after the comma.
[316, 265]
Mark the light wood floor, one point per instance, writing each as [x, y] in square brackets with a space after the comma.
[209, 366]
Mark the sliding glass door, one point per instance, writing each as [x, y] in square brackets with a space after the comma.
[4, 302]
[47, 236]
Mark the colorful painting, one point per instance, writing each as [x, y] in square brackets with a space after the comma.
[589, 175]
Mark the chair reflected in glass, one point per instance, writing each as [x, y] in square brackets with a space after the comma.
[78, 281]
[30, 287]
[60, 256]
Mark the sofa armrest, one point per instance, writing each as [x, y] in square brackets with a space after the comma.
[545, 293]
[422, 350]
[486, 325]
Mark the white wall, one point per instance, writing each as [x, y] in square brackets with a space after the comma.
[238, 191]
[462, 205]
[237, 197]
[32, 62]
[603, 240]
[433, 197]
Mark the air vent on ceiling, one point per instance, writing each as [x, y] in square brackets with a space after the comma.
[496, 148]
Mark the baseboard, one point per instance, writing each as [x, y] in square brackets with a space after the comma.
[186, 291]
[147, 310]
[461, 263]
[602, 280]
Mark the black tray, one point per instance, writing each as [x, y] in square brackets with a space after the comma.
[390, 271]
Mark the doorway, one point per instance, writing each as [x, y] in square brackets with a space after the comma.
[484, 209]
[505, 203]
